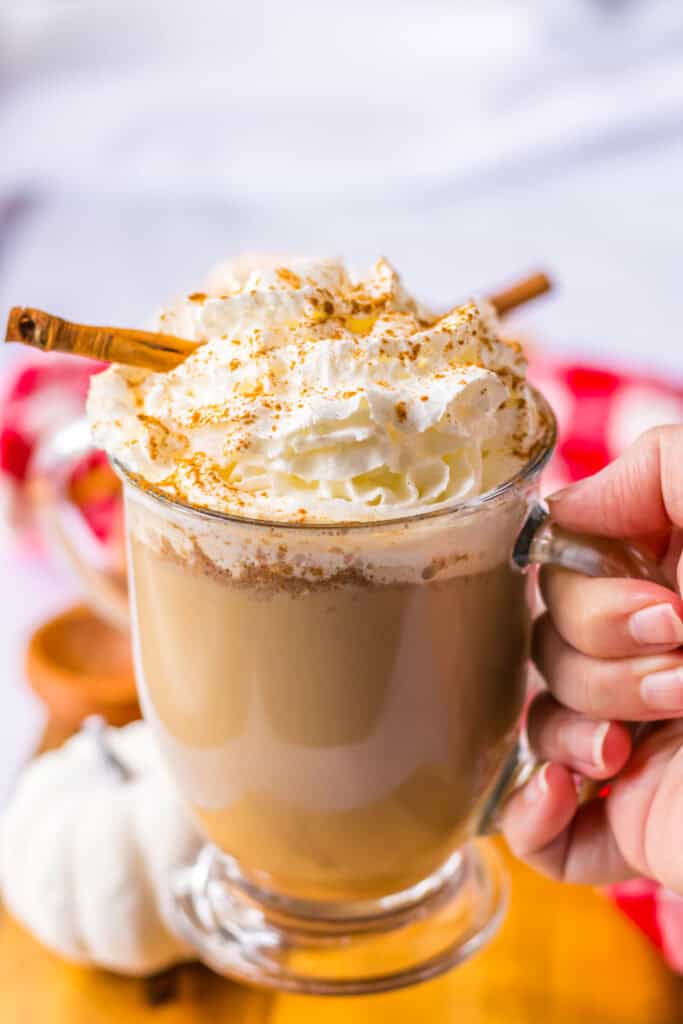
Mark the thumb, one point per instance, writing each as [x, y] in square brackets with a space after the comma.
[639, 494]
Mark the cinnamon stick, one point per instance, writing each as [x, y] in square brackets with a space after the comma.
[50, 333]
[524, 291]
[162, 352]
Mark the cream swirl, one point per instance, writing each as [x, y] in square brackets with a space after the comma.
[320, 397]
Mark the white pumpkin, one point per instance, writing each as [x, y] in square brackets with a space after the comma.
[86, 847]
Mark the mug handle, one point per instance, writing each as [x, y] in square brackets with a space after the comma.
[65, 528]
[543, 542]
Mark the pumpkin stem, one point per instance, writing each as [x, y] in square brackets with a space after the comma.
[96, 727]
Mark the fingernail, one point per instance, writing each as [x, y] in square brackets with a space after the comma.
[538, 786]
[663, 691]
[657, 624]
[598, 746]
[558, 495]
[570, 491]
[585, 742]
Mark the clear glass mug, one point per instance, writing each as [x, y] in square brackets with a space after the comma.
[339, 706]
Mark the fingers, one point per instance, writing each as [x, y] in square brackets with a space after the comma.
[628, 689]
[613, 653]
[573, 847]
[540, 811]
[639, 493]
[543, 826]
[596, 749]
[609, 618]
[645, 805]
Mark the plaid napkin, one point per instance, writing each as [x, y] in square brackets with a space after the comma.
[600, 412]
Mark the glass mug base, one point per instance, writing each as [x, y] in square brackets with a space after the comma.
[273, 942]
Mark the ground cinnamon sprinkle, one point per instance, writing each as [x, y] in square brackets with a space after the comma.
[262, 578]
[440, 563]
[157, 435]
[435, 566]
[304, 335]
[289, 277]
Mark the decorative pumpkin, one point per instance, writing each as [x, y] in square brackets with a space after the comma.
[86, 847]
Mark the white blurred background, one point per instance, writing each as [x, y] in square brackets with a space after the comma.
[466, 141]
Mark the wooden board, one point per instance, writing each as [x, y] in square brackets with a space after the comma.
[564, 955]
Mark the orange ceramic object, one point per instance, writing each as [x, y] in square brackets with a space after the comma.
[79, 665]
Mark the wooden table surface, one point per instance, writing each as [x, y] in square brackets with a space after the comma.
[565, 955]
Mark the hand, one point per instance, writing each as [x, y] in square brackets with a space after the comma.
[610, 652]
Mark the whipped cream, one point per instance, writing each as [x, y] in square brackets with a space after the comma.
[318, 396]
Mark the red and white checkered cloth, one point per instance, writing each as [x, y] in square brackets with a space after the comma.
[39, 397]
[600, 413]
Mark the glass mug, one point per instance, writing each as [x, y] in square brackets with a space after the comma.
[339, 706]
